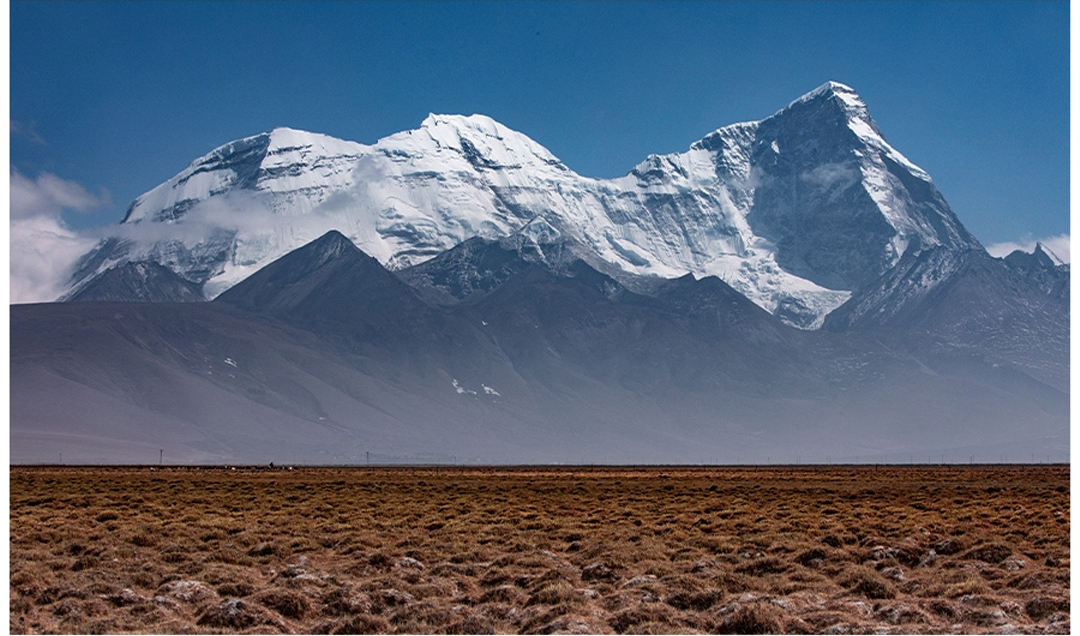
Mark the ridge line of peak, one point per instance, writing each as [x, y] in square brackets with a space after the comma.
[828, 88]
[446, 118]
[1041, 247]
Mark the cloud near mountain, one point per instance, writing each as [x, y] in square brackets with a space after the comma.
[43, 249]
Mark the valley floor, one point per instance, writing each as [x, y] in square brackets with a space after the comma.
[960, 549]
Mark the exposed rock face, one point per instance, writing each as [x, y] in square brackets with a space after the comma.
[143, 280]
[840, 203]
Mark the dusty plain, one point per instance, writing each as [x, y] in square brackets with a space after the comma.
[969, 549]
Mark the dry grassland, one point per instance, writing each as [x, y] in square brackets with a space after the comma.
[795, 550]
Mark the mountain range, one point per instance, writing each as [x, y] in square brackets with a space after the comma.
[796, 211]
[791, 289]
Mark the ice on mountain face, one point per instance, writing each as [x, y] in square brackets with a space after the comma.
[297, 169]
[794, 211]
[540, 232]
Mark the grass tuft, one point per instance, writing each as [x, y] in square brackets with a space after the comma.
[754, 618]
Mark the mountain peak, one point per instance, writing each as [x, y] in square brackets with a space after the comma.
[472, 127]
[1046, 255]
[284, 137]
[486, 143]
[829, 89]
[281, 140]
[330, 246]
[847, 103]
[481, 123]
[326, 279]
[834, 103]
[1039, 258]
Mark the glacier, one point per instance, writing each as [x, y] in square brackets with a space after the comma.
[796, 211]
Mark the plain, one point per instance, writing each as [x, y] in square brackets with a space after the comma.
[886, 549]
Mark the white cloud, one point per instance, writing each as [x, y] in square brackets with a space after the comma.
[49, 195]
[28, 131]
[43, 249]
[830, 174]
[1059, 245]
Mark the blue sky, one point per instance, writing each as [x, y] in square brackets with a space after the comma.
[109, 99]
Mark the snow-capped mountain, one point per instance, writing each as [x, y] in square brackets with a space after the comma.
[796, 211]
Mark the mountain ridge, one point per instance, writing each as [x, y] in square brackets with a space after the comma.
[324, 355]
[772, 207]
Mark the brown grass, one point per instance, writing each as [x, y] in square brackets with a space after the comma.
[674, 550]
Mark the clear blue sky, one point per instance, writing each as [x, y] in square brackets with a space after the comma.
[122, 95]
